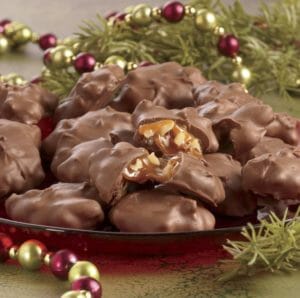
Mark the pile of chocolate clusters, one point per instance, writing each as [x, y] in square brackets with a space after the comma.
[157, 150]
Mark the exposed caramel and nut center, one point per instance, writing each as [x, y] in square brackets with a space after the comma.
[150, 168]
[170, 138]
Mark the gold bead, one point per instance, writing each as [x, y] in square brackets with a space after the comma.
[141, 15]
[61, 56]
[4, 44]
[14, 79]
[128, 18]
[47, 258]
[131, 66]
[190, 10]
[298, 83]
[237, 60]
[13, 252]
[35, 37]
[219, 31]
[242, 75]
[83, 268]
[98, 65]
[18, 33]
[31, 255]
[117, 60]
[77, 294]
[156, 13]
[76, 47]
[205, 20]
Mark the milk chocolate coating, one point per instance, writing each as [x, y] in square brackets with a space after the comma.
[61, 205]
[192, 177]
[168, 84]
[106, 170]
[286, 128]
[93, 91]
[27, 104]
[199, 127]
[274, 175]
[73, 165]
[93, 125]
[212, 91]
[154, 211]
[266, 145]
[237, 201]
[245, 127]
[20, 161]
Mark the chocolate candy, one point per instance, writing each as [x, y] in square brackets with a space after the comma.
[171, 131]
[168, 84]
[61, 205]
[107, 167]
[93, 91]
[212, 91]
[106, 123]
[245, 127]
[27, 104]
[237, 201]
[20, 161]
[73, 165]
[274, 175]
[153, 211]
[286, 128]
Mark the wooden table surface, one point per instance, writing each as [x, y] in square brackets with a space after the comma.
[62, 18]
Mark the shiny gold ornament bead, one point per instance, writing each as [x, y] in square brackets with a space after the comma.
[13, 252]
[142, 15]
[4, 44]
[131, 66]
[117, 60]
[35, 37]
[190, 11]
[14, 79]
[83, 268]
[128, 19]
[47, 258]
[77, 294]
[205, 20]
[76, 48]
[18, 33]
[31, 254]
[98, 65]
[61, 56]
[298, 83]
[242, 75]
[237, 60]
[219, 31]
[156, 13]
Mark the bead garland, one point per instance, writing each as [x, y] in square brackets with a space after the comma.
[83, 276]
[58, 54]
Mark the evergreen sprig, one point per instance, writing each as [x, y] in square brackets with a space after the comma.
[269, 45]
[274, 246]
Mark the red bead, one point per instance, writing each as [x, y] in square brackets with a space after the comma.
[85, 62]
[46, 126]
[3, 24]
[36, 80]
[173, 11]
[145, 64]
[61, 262]
[110, 15]
[47, 57]
[120, 16]
[47, 41]
[228, 45]
[88, 284]
[5, 244]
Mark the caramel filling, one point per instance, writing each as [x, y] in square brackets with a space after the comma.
[170, 138]
[150, 168]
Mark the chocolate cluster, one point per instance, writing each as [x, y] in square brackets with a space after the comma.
[157, 150]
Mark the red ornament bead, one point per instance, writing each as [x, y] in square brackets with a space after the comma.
[84, 62]
[47, 57]
[5, 244]
[111, 15]
[145, 64]
[120, 16]
[36, 80]
[228, 45]
[61, 262]
[3, 24]
[88, 284]
[173, 11]
[47, 41]
[46, 126]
